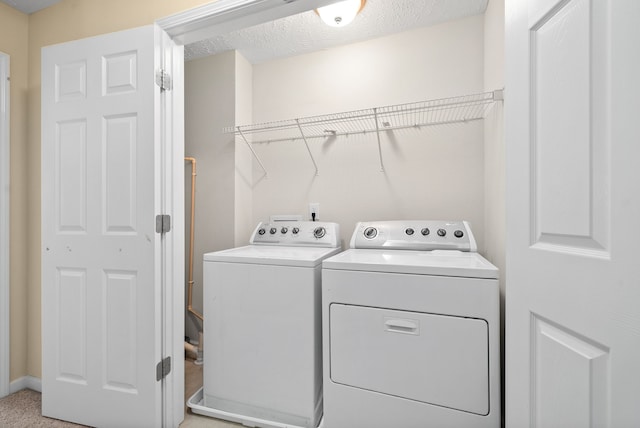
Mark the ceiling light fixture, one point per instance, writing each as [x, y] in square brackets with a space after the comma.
[341, 13]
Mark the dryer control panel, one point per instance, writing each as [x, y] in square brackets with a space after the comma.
[424, 235]
[297, 234]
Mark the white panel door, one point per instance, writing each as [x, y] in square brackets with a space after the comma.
[573, 204]
[101, 255]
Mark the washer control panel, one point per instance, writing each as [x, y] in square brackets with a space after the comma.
[414, 235]
[297, 234]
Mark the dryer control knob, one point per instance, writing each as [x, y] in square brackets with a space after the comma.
[284, 230]
[295, 230]
[370, 232]
[409, 231]
[261, 231]
[425, 231]
[458, 234]
[319, 232]
[442, 232]
[273, 230]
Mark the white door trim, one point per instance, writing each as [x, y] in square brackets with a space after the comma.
[5, 332]
[223, 16]
[169, 115]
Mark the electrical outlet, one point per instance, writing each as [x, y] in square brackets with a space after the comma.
[314, 208]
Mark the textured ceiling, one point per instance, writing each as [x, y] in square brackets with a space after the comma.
[29, 6]
[306, 32]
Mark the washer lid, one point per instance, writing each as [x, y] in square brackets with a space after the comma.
[436, 262]
[273, 255]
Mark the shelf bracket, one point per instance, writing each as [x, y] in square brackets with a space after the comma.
[307, 144]
[255, 155]
[375, 114]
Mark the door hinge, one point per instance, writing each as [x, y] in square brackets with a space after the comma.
[163, 79]
[163, 223]
[163, 368]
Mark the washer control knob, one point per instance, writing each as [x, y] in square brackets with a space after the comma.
[261, 231]
[319, 232]
[425, 231]
[273, 231]
[409, 231]
[458, 234]
[295, 230]
[442, 232]
[284, 230]
[370, 232]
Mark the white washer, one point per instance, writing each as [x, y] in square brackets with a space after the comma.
[263, 329]
[411, 329]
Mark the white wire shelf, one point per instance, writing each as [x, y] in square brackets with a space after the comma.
[411, 115]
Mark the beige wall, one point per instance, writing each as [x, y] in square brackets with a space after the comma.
[14, 36]
[494, 138]
[210, 106]
[430, 173]
[217, 94]
[65, 21]
[244, 159]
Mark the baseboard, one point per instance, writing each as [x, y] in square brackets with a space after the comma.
[25, 382]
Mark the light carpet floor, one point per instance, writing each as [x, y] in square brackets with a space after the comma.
[22, 410]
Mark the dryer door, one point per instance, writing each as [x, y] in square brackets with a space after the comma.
[434, 359]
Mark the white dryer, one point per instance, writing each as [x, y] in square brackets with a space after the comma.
[262, 327]
[411, 329]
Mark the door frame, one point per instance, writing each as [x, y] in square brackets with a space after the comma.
[5, 332]
[170, 137]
